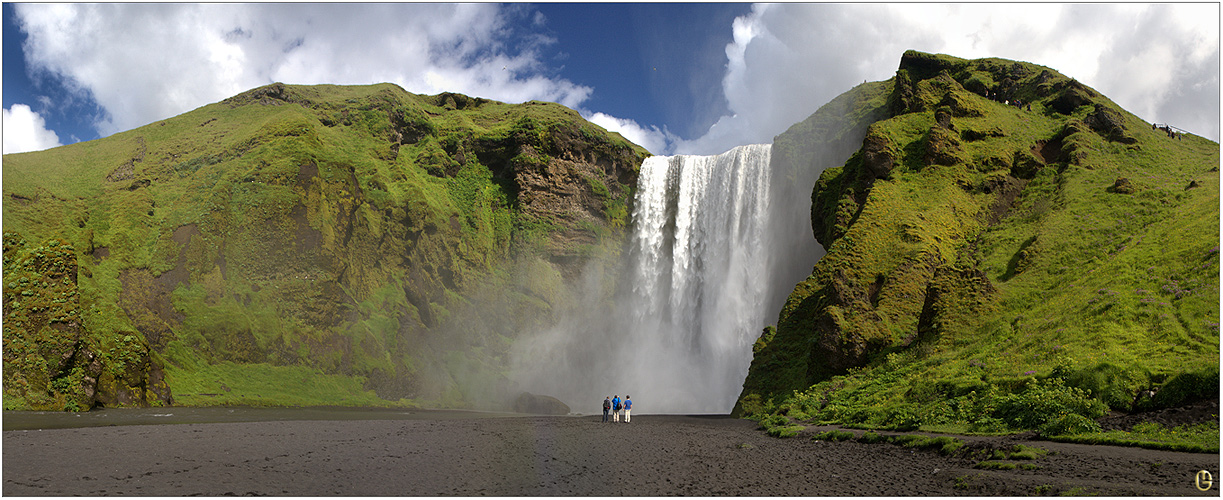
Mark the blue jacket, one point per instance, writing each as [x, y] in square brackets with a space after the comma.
[616, 403]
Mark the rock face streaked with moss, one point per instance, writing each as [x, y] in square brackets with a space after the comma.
[301, 244]
[975, 245]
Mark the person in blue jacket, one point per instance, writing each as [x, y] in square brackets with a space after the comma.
[628, 407]
[616, 408]
[606, 407]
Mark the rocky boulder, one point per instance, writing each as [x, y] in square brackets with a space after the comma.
[878, 154]
[1109, 124]
[1122, 186]
[537, 404]
[1071, 95]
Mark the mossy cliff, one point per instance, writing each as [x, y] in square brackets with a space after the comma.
[978, 248]
[301, 245]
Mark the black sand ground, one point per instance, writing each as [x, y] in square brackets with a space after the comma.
[548, 456]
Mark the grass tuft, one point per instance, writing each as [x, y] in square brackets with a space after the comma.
[833, 435]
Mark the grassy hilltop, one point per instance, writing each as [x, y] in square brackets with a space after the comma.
[993, 268]
[301, 245]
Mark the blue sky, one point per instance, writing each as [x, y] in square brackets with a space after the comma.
[656, 63]
[675, 78]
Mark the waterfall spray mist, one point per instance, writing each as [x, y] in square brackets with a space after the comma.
[715, 248]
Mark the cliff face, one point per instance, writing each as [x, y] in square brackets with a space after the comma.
[972, 237]
[330, 241]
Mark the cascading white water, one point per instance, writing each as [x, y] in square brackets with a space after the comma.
[706, 270]
[698, 254]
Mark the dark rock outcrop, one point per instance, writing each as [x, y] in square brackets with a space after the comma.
[1109, 124]
[942, 146]
[1070, 95]
[878, 155]
[537, 404]
[1122, 186]
[51, 361]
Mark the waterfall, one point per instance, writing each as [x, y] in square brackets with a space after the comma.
[698, 253]
[715, 248]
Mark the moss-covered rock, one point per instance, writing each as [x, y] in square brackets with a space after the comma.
[1109, 124]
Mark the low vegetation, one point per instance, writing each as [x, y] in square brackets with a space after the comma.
[1198, 438]
[833, 435]
[944, 445]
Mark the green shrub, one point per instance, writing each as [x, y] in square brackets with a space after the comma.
[904, 418]
[1045, 401]
[780, 426]
[1069, 424]
[986, 424]
[1201, 438]
[947, 445]
[1109, 383]
[1185, 387]
[802, 405]
[751, 406]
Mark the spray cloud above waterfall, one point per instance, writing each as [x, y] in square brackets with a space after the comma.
[678, 78]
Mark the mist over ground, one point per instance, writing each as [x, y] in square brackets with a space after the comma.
[712, 254]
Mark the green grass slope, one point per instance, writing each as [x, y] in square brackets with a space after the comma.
[301, 244]
[992, 268]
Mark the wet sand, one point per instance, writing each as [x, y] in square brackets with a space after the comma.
[549, 456]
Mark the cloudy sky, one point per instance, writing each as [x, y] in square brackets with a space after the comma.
[675, 78]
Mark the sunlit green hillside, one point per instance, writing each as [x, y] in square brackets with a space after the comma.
[301, 244]
[994, 266]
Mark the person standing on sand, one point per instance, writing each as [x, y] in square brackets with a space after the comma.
[616, 408]
[628, 407]
[606, 407]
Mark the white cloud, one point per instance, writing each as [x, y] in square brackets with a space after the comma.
[652, 139]
[25, 130]
[145, 62]
[1161, 62]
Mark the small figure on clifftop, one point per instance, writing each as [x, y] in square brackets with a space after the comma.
[616, 408]
[606, 407]
[628, 407]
